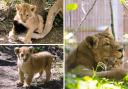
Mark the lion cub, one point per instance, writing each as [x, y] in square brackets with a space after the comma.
[27, 18]
[30, 63]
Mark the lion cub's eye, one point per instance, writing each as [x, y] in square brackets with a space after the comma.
[21, 14]
[107, 44]
[27, 15]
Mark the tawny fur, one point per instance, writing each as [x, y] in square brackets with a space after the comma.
[100, 47]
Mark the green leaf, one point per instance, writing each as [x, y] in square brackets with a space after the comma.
[125, 78]
[122, 1]
[71, 6]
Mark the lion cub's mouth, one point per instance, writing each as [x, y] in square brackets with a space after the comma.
[121, 56]
[25, 60]
[111, 62]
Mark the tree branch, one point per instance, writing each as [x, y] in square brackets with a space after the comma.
[84, 19]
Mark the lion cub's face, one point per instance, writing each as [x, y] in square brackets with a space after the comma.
[24, 53]
[105, 48]
[25, 11]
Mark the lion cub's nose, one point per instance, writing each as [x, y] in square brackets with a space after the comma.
[120, 50]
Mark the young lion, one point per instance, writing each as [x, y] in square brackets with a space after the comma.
[26, 18]
[30, 63]
[101, 47]
[95, 49]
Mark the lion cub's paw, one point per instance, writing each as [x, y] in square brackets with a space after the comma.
[12, 39]
[19, 83]
[26, 85]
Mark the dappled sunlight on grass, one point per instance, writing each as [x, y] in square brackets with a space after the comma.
[86, 82]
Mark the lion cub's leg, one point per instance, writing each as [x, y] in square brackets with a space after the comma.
[40, 25]
[48, 73]
[40, 74]
[20, 82]
[28, 36]
[28, 80]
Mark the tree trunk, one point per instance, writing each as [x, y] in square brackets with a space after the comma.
[54, 10]
[39, 3]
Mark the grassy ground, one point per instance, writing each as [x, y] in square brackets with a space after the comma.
[86, 82]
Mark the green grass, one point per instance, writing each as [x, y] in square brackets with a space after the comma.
[86, 82]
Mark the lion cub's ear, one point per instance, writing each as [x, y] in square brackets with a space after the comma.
[92, 41]
[18, 7]
[108, 31]
[33, 8]
[16, 50]
[31, 49]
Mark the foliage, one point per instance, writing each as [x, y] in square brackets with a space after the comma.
[122, 1]
[71, 6]
[86, 82]
[14, 1]
[54, 49]
[126, 78]
[50, 1]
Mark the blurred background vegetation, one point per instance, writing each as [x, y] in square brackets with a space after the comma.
[74, 82]
[54, 49]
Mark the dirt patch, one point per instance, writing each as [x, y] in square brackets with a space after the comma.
[54, 37]
[9, 76]
[9, 71]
